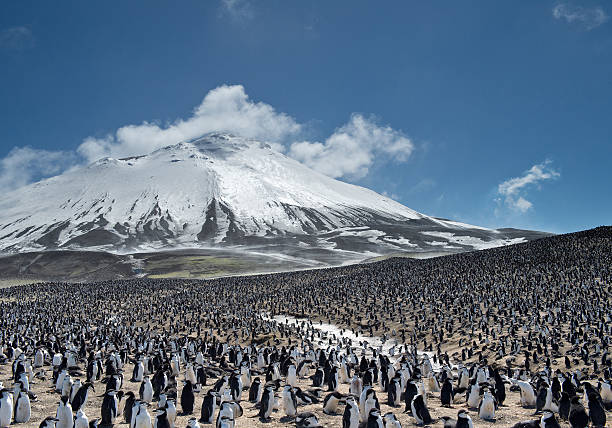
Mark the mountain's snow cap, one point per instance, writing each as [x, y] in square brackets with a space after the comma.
[218, 189]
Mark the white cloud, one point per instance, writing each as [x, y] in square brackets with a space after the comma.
[350, 151]
[390, 195]
[23, 165]
[513, 191]
[224, 109]
[16, 38]
[237, 9]
[588, 18]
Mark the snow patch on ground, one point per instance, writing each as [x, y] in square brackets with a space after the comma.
[472, 241]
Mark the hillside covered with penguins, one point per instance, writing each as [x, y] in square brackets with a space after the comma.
[513, 336]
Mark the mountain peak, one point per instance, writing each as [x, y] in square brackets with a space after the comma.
[220, 190]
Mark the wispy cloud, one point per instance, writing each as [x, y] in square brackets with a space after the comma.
[237, 9]
[513, 191]
[16, 38]
[587, 18]
[424, 185]
[348, 153]
[23, 165]
[226, 109]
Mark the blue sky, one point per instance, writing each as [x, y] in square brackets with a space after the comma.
[494, 113]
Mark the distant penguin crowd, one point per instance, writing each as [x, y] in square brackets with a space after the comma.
[532, 321]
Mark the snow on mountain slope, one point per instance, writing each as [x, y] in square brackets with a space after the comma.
[218, 190]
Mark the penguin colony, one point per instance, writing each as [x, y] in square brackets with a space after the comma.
[516, 336]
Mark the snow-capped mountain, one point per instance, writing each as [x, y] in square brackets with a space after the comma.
[221, 191]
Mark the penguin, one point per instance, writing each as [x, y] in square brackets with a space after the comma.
[64, 414]
[394, 391]
[564, 406]
[81, 420]
[267, 403]
[449, 422]
[6, 407]
[127, 406]
[330, 404]
[292, 375]
[305, 397]
[605, 391]
[500, 388]
[110, 407]
[208, 407]
[307, 420]
[255, 390]
[48, 422]
[350, 417]
[446, 393]
[289, 401]
[138, 372]
[541, 397]
[187, 398]
[578, 417]
[356, 386]
[597, 413]
[409, 394]
[161, 419]
[23, 410]
[193, 423]
[432, 383]
[318, 378]
[171, 411]
[375, 420]
[420, 411]
[464, 420]
[146, 390]
[75, 388]
[82, 394]
[333, 382]
[391, 421]
[225, 416]
[190, 374]
[549, 420]
[67, 386]
[486, 407]
[367, 402]
[142, 418]
[528, 397]
[473, 396]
